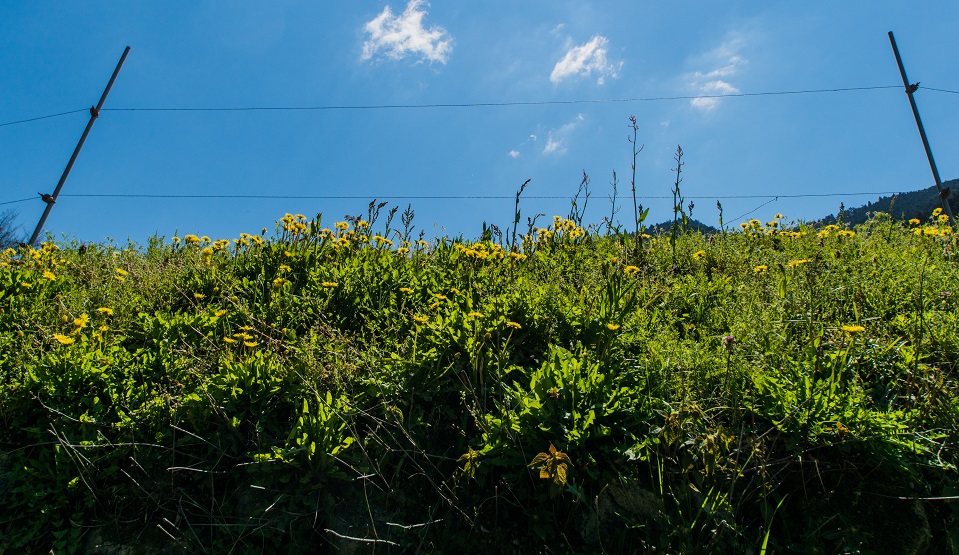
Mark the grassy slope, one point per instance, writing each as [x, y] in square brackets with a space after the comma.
[707, 395]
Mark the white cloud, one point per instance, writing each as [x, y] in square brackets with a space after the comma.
[554, 145]
[404, 35]
[726, 63]
[556, 138]
[584, 60]
[514, 154]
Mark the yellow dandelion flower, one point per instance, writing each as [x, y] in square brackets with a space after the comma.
[513, 325]
[612, 327]
[222, 312]
[699, 255]
[120, 271]
[250, 343]
[243, 335]
[82, 321]
[853, 329]
[778, 216]
[743, 225]
[280, 282]
[49, 275]
[439, 296]
[419, 319]
[105, 311]
[191, 239]
[26, 285]
[943, 218]
[406, 290]
[797, 263]
[630, 270]
[403, 251]
[422, 243]
[914, 221]
[229, 340]
[937, 211]
[63, 339]
[930, 231]
[330, 284]
[199, 296]
[760, 269]
[434, 305]
[476, 314]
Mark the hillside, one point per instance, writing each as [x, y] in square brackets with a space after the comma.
[902, 207]
[340, 386]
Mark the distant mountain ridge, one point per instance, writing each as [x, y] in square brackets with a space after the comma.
[904, 206]
[901, 206]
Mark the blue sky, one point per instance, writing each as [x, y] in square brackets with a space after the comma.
[57, 56]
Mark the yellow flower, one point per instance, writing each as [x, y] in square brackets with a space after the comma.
[419, 319]
[105, 311]
[439, 296]
[222, 312]
[250, 343]
[205, 239]
[937, 211]
[199, 296]
[403, 251]
[612, 327]
[796, 263]
[517, 256]
[49, 275]
[63, 339]
[513, 325]
[630, 270]
[26, 285]
[760, 269]
[280, 282]
[191, 239]
[406, 290]
[229, 340]
[778, 216]
[476, 314]
[120, 271]
[847, 233]
[943, 218]
[699, 255]
[853, 329]
[82, 321]
[914, 221]
[330, 284]
[930, 231]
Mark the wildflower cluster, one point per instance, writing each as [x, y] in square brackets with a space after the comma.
[482, 251]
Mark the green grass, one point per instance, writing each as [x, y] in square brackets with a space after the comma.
[764, 390]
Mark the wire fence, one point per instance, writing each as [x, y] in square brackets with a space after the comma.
[477, 104]
[221, 196]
